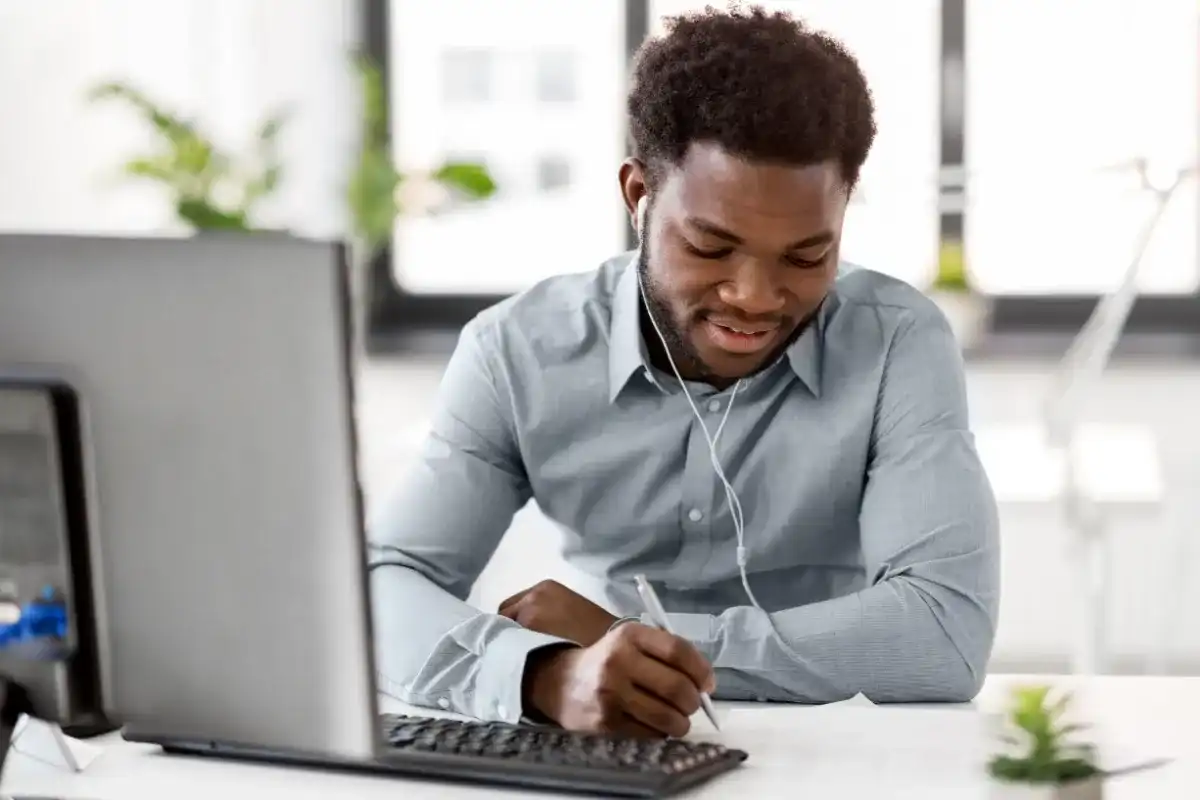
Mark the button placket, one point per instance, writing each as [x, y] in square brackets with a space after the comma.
[697, 494]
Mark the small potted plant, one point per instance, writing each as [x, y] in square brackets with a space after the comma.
[210, 189]
[966, 309]
[1042, 762]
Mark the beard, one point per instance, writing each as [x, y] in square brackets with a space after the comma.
[678, 348]
[671, 331]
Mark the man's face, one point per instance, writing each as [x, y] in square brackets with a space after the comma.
[735, 256]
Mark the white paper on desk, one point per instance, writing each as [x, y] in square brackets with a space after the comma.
[703, 729]
[859, 699]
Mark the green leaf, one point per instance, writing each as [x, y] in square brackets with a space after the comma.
[154, 169]
[269, 131]
[371, 196]
[374, 102]
[473, 180]
[203, 216]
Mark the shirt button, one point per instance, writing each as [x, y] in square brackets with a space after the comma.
[695, 515]
[714, 406]
[443, 702]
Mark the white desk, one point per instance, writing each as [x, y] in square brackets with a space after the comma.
[833, 751]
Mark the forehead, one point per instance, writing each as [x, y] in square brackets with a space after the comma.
[724, 189]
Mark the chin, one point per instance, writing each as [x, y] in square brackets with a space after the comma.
[730, 367]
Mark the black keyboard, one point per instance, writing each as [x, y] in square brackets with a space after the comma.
[550, 758]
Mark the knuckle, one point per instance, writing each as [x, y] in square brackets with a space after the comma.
[685, 696]
[676, 650]
[675, 725]
[625, 633]
[620, 651]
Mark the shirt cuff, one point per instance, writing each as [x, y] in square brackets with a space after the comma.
[699, 629]
[501, 673]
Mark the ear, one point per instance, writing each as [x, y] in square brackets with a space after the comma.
[633, 187]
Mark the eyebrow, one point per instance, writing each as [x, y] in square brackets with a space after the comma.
[712, 229]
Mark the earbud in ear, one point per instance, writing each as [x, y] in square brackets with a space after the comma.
[641, 215]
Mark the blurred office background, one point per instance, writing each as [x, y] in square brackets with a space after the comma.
[1030, 140]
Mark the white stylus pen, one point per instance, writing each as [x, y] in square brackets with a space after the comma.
[659, 617]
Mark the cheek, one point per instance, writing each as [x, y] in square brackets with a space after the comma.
[684, 288]
[810, 286]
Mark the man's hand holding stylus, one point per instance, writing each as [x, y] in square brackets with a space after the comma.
[635, 680]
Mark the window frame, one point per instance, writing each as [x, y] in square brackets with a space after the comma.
[394, 314]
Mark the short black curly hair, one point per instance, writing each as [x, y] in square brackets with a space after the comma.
[763, 86]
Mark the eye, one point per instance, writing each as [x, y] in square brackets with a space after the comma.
[806, 263]
[700, 252]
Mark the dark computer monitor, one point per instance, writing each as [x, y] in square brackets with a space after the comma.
[213, 379]
[49, 649]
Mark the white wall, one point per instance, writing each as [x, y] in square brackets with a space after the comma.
[227, 63]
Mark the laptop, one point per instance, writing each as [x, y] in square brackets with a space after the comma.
[215, 380]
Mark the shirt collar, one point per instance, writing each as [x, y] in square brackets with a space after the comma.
[627, 350]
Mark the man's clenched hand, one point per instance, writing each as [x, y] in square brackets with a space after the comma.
[636, 680]
[553, 609]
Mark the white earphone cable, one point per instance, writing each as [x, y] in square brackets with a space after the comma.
[735, 505]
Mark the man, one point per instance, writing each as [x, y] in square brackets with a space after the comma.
[870, 530]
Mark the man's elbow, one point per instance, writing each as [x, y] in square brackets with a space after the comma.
[941, 677]
[946, 658]
[392, 559]
[962, 681]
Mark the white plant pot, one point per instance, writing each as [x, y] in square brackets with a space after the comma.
[967, 314]
[1090, 789]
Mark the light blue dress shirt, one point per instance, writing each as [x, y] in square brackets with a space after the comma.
[870, 526]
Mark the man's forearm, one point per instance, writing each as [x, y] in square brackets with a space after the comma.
[435, 650]
[901, 640]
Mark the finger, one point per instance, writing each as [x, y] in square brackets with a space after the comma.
[666, 683]
[653, 713]
[676, 652]
[512, 601]
[624, 725]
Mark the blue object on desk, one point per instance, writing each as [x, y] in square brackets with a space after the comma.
[44, 618]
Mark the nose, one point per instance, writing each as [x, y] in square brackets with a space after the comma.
[753, 290]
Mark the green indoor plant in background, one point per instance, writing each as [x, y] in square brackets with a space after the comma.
[966, 310]
[1043, 762]
[373, 192]
[210, 188]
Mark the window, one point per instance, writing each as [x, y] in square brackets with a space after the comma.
[556, 77]
[892, 224]
[558, 208]
[553, 172]
[1097, 85]
[466, 75]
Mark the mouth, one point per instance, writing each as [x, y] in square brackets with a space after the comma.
[740, 338]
